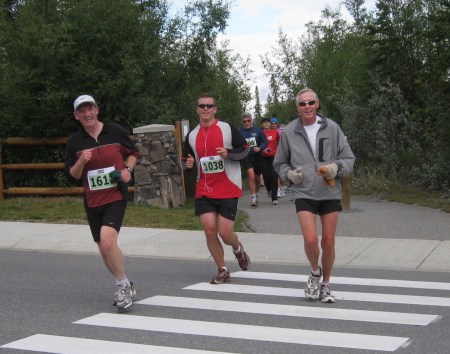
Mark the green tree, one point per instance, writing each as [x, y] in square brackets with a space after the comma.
[258, 108]
[140, 64]
[377, 76]
[194, 64]
[328, 58]
[50, 60]
[409, 46]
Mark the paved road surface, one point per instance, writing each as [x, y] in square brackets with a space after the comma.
[176, 310]
[368, 217]
[391, 279]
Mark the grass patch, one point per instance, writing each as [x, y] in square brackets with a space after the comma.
[410, 194]
[376, 185]
[70, 210]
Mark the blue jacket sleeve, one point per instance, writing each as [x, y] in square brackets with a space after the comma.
[240, 148]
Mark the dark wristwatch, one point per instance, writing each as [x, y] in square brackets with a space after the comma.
[129, 168]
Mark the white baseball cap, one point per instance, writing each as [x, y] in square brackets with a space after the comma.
[83, 99]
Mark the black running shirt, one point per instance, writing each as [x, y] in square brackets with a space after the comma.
[109, 151]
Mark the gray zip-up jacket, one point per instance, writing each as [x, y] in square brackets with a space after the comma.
[294, 150]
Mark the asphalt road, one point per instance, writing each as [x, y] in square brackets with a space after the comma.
[63, 300]
[50, 297]
[367, 217]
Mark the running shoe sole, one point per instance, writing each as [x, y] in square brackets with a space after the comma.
[243, 264]
[221, 279]
[314, 296]
[329, 299]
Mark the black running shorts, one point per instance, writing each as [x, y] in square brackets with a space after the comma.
[252, 161]
[320, 207]
[224, 207]
[110, 214]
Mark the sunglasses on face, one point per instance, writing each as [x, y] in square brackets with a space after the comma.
[246, 121]
[309, 103]
[203, 106]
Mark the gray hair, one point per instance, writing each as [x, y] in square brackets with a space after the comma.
[303, 91]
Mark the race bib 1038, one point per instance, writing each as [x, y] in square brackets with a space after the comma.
[212, 164]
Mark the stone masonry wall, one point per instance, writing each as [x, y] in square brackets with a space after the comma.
[157, 176]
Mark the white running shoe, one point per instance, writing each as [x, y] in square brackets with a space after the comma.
[312, 285]
[325, 294]
[123, 298]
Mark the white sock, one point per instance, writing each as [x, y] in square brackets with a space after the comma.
[316, 273]
[123, 282]
[238, 250]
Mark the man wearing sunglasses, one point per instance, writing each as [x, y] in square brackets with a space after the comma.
[314, 155]
[217, 147]
[252, 163]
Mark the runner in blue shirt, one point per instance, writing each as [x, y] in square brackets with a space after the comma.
[252, 163]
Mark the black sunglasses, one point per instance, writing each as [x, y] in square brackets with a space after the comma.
[203, 106]
[309, 103]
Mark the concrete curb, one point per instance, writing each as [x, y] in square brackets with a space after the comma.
[382, 253]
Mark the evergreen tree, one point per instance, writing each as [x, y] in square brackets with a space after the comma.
[377, 77]
[258, 108]
[140, 64]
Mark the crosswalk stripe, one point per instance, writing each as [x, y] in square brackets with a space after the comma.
[344, 280]
[340, 295]
[294, 311]
[71, 345]
[249, 332]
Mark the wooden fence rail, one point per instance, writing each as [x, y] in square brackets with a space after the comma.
[36, 141]
[36, 166]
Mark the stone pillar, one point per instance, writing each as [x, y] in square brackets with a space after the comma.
[157, 176]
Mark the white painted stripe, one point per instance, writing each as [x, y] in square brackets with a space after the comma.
[70, 345]
[259, 333]
[340, 295]
[290, 310]
[348, 281]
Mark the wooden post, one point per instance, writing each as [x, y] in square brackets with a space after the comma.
[1, 175]
[346, 193]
